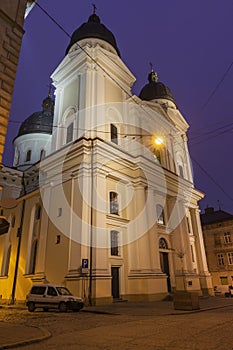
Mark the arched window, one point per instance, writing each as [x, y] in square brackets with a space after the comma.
[17, 156]
[28, 155]
[114, 243]
[6, 262]
[157, 155]
[114, 134]
[181, 171]
[33, 239]
[32, 265]
[163, 244]
[114, 206]
[13, 221]
[42, 154]
[70, 132]
[38, 212]
[69, 125]
[160, 214]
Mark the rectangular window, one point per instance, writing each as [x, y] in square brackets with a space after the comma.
[188, 224]
[59, 213]
[114, 134]
[230, 258]
[220, 258]
[28, 155]
[114, 207]
[217, 240]
[38, 290]
[160, 214]
[69, 135]
[227, 237]
[192, 254]
[114, 243]
[224, 280]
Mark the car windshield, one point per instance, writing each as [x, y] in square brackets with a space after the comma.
[63, 291]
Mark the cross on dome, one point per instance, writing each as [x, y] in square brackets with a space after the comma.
[94, 9]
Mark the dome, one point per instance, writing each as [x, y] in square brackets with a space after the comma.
[155, 89]
[39, 122]
[93, 29]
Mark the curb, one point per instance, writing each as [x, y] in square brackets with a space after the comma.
[199, 310]
[181, 312]
[46, 335]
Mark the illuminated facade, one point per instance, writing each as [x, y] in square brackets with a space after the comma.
[108, 212]
[217, 226]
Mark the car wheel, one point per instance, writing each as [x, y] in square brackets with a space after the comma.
[31, 307]
[76, 310]
[62, 307]
[45, 309]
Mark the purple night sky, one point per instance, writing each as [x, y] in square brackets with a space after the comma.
[190, 46]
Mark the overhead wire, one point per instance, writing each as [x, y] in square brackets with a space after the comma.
[131, 96]
[217, 86]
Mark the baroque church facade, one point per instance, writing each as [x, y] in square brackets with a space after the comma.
[101, 197]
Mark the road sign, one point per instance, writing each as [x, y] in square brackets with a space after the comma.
[84, 263]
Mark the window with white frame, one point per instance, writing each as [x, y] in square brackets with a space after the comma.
[114, 242]
[227, 237]
[220, 259]
[230, 258]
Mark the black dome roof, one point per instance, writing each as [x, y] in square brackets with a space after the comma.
[39, 122]
[93, 29]
[155, 90]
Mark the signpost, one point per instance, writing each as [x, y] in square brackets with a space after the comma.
[84, 265]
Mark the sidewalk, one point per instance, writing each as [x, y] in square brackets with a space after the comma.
[158, 308]
[13, 335]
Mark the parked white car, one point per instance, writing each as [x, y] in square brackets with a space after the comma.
[49, 296]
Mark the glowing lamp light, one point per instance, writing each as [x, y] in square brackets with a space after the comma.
[159, 141]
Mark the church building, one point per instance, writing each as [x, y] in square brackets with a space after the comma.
[101, 197]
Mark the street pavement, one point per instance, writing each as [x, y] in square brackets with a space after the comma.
[13, 335]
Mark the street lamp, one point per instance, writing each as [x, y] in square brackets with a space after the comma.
[159, 142]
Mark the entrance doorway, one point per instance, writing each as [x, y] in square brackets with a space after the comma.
[115, 282]
[165, 268]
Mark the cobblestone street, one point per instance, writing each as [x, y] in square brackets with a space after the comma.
[211, 329]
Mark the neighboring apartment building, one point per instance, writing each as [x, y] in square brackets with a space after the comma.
[217, 229]
[12, 14]
[101, 207]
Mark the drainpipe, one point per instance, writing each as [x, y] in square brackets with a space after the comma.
[91, 229]
[19, 235]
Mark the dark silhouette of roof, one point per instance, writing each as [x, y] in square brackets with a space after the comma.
[155, 89]
[211, 216]
[93, 29]
[39, 122]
